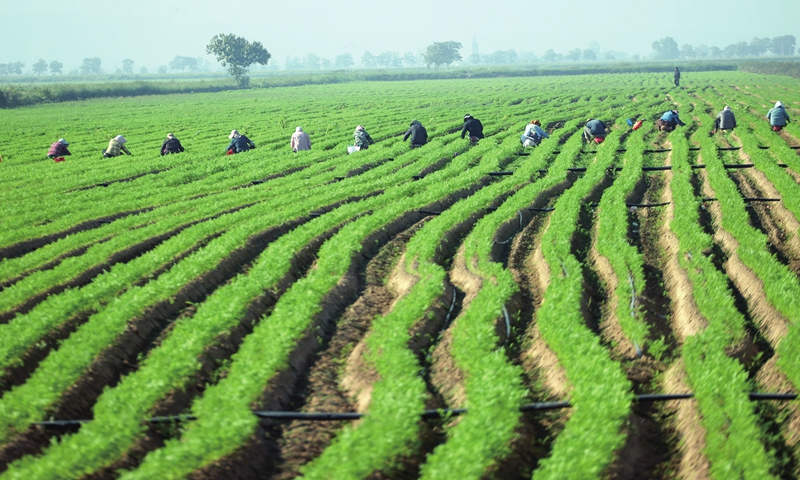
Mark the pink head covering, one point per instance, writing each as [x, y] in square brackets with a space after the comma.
[359, 127]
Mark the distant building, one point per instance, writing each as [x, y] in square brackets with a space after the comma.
[475, 46]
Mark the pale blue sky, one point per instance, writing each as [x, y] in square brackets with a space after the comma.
[152, 32]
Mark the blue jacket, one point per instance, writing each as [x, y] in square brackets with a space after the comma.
[672, 117]
[240, 144]
[596, 128]
[778, 117]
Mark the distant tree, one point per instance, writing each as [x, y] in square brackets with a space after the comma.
[4, 69]
[344, 61]
[91, 66]
[311, 62]
[701, 51]
[497, 57]
[14, 68]
[574, 55]
[783, 45]
[741, 49]
[293, 63]
[127, 66]
[759, 46]
[511, 56]
[182, 63]
[389, 59]
[55, 67]
[636, 57]
[237, 54]
[550, 56]
[729, 51]
[162, 69]
[325, 64]
[442, 53]
[475, 59]
[687, 51]
[666, 48]
[143, 70]
[589, 55]
[40, 67]
[714, 52]
[369, 60]
[410, 60]
[610, 56]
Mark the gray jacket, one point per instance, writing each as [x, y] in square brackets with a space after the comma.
[596, 128]
[726, 120]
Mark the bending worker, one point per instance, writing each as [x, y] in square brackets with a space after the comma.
[300, 140]
[533, 135]
[418, 134]
[362, 138]
[239, 143]
[474, 127]
[778, 117]
[725, 120]
[595, 130]
[171, 145]
[669, 121]
[58, 150]
[115, 146]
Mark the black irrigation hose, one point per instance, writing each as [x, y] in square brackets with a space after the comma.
[429, 212]
[746, 199]
[647, 205]
[257, 182]
[664, 150]
[427, 414]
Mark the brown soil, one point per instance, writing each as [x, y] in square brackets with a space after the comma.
[261, 454]
[51, 264]
[687, 320]
[121, 180]
[771, 323]
[122, 256]
[693, 463]
[27, 246]
[123, 355]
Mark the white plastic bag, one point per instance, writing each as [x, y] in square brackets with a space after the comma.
[352, 148]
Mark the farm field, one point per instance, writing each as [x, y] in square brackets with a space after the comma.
[438, 313]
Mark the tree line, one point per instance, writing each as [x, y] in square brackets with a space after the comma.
[783, 46]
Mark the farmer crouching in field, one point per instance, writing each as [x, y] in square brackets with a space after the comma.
[778, 117]
[239, 143]
[300, 140]
[595, 130]
[115, 147]
[725, 120]
[362, 138]
[171, 145]
[669, 121]
[418, 134]
[58, 150]
[533, 135]
[474, 127]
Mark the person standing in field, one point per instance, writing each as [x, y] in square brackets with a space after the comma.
[595, 130]
[474, 127]
[239, 143]
[362, 138]
[725, 120]
[171, 145]
[418, 134]
[115, 147]
[300, 140]
[533, 135]
[669, 121]
[778, 117]
[677, 77]
[58, 150]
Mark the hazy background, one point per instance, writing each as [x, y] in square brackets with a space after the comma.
[152, 32]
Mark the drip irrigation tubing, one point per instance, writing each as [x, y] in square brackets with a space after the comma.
[644, 169]
[427, 414]
[665, 150]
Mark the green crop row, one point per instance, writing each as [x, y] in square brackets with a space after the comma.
[398, 398]
[612, 243]
[25, 403]
[720, 383]
[224, 419]
[172, 364]
[601, 394]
